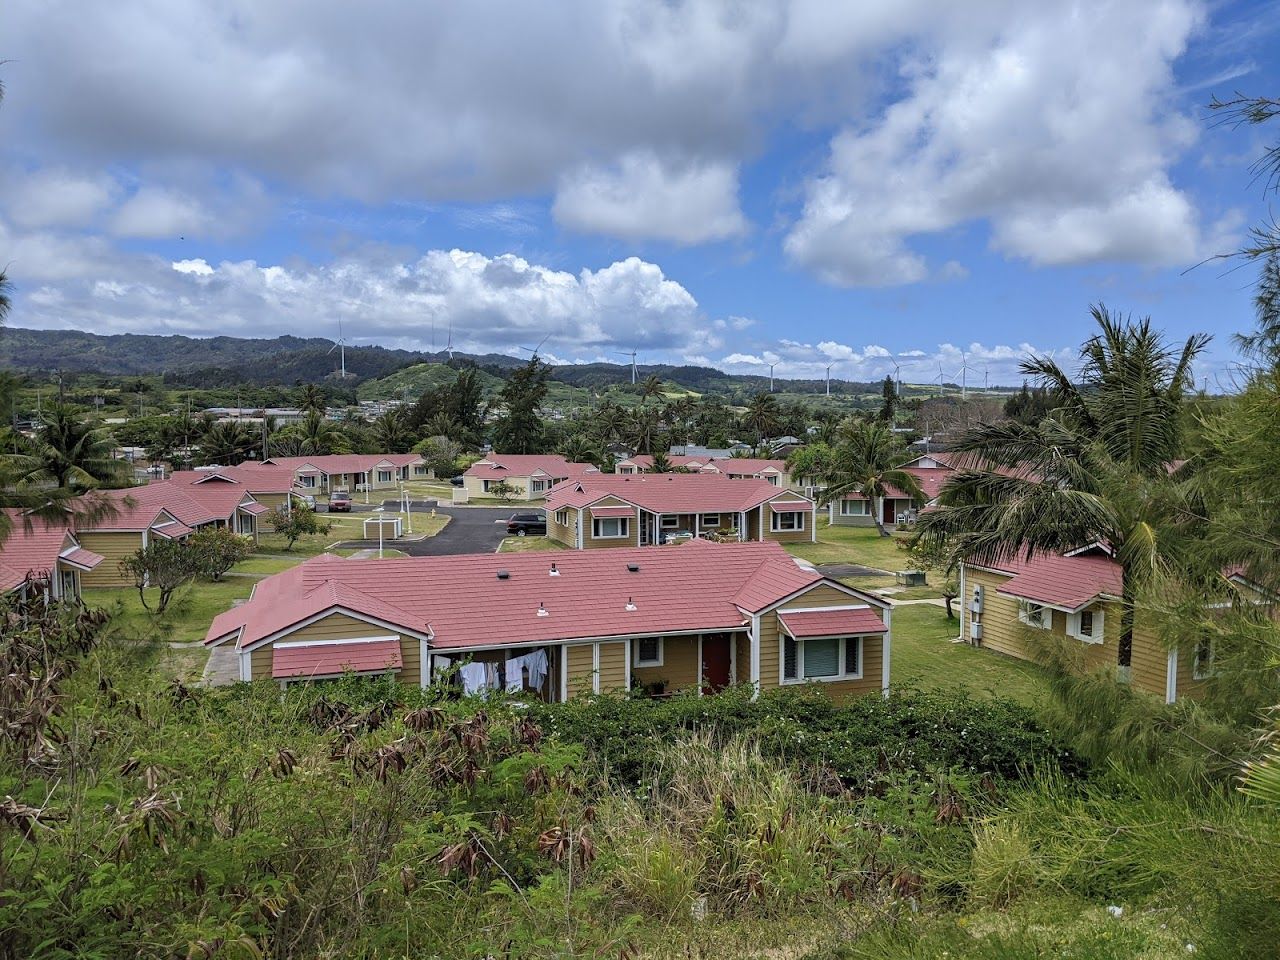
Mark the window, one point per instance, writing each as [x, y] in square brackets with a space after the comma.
[537, 486]
[826, 658]
[610, 528]
[562, 517]
[1085, 625]
[670, 521]
[419, 469]
[772, 479]
[791, 520]
[711, 520]
[1035, 615]
[384, 476]
[855, 508]
[1202, 661]
[648, 652]
[309, 480]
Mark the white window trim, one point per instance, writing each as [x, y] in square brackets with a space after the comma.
[800, 678]
[1099, 622]
[709, 519]
[562, 517]
[669, 521]
[1024, 615]
[635, 647]
[624, 527]
[777, 517]
[385, 476]
[862, 506]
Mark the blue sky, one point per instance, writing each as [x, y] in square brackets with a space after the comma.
[800, 183]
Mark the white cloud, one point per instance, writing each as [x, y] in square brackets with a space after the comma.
[156, 212]
[1048, 121]
[55, 197]
[644, 197]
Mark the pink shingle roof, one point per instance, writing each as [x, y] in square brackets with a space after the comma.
[328, 659]
[498, 466]
[461, 602]
[729, 466]
[1061, 581]
[343, 462]
[34, 545]
[667, 492]
[831, 623]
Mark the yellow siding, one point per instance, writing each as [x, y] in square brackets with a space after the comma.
[260, 663]
[742, 654]
[566, 534]
[613, 666]
[580, 669]
[336, 626]
[411, 661]
[631, 540]
[271, 500]
[113, 547]
[680, 667]
[823, 595]
[1188, 685]
[872, 675]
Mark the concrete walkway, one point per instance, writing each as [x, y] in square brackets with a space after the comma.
[223, 668]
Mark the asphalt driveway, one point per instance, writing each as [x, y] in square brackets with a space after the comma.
[470, 530]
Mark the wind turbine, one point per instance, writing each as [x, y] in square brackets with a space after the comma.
[941, 389]
[771, 366]
[897, 378]
[829, 379]
[341, 346]
[632, 355]
[448, 347]
[964, 376]
[533, 351]
[986, 378]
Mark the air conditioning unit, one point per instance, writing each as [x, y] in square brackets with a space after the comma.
[975, 633]
[975, 605]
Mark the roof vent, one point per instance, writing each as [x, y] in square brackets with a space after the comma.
[633, 568]
[504, 575]
[631, 606]
[553, 572]
[542, 611]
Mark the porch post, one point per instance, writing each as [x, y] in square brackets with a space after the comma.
[754, 637]
[885, 646]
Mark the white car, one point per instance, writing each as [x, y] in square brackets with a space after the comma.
[308, 500]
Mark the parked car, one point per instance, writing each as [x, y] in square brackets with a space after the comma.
[456, 481]
[527, 524]
[340, 502]
[307, 500]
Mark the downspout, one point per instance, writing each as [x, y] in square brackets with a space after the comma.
[755, 655]
[885, 651]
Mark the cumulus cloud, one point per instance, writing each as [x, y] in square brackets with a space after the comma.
[158, 212]
[1047, 121]
[644, 197]
[55, 197]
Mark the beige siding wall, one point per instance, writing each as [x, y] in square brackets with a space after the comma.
[787, 536]
[113, 547]
[475, 487]
[1188, 685]
[271, 500]
[336, 626]
[742, 653]
[580, 671]
[632, 539]
[680, 667]
[260, 663]
[613, 666]
[823, 595]
[566, 534]
[1149, 661]
[838, 520]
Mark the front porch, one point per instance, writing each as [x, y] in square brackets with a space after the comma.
[705, 662]
[659, 528]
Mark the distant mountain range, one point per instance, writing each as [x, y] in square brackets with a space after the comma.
[287, 361]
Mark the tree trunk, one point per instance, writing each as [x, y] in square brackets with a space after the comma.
[947, 600]
[877, 506]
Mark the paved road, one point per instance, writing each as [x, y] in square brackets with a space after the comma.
[470, 530]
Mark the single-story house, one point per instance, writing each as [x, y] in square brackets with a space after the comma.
[739, 468]
[350, 471]
[612, 510]
[701, 616]
[531, 475]
[1075, 595]
[930, 471]
[43, 557]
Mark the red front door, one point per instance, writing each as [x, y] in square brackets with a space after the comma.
[717, 661]
[889, 506]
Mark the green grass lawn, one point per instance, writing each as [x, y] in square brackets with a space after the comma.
[861, 545]
[923, 657]
[527, 544]
[187, 617]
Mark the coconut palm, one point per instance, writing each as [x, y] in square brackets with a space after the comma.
[1095, 470]
[391, 433]
[650, 386]
[229, 442]
[762, 415]
[319, 435]
[610, 422]
[312, 400]
[867, 462]
[69, 452]
[6, 290]
[645, 430]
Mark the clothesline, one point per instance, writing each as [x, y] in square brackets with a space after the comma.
[513, 675]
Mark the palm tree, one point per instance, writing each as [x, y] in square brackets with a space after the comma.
[6, 290]
[867, 463]
[69, 452]
[229, 442]
[1095, 470]
[645, 429]
[391, 434]
[661, 462]
[611, 423]
[650, 386]
[319, 435]
[312, 400]
[762, 415]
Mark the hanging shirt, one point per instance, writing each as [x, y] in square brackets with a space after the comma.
[536, 664]
[473, 677]
[514, 672]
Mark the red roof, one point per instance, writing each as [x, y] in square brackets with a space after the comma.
[668, 492]
[803, 624]
[498, 466]
[729, 466]
[253, 477]
[342, 462]
[789, 506]
[193, 497]
[34, 545]
[613, 511]
[329, 659]
[1069, 582]
[460, 601]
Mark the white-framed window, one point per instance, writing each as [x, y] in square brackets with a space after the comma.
[610, 528]
[855, 508]
[1086, 625]
[562, 517]
[384, 476]
[790, 520]
[1202, 660]
[646, 652]
[420, 469]
[1035, 615]
[772, 478]
[537, 486]
[823, 659]
[670, 521]
[711, 520]
[309, 480]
